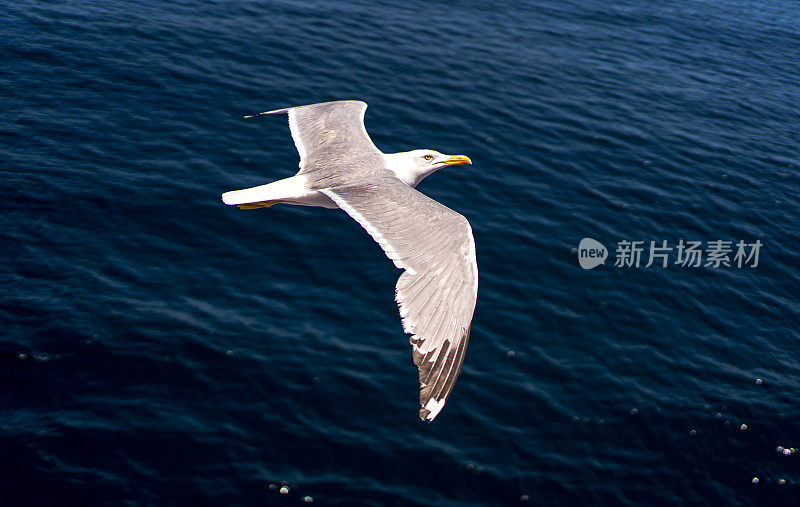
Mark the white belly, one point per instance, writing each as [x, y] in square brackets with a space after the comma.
[313, 199]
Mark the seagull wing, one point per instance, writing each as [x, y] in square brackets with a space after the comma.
[438, 290]
[328, 132]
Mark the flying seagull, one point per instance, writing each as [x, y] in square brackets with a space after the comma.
[340, 167]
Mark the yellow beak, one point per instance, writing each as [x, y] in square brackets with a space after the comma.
[457, 160]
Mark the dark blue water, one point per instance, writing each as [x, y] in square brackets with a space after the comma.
[160, 348]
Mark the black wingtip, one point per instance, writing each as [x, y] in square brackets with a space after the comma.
[265, 113]
[423, 415]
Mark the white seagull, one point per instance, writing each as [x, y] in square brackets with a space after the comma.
[340, 167]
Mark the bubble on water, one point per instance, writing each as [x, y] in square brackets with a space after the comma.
[284, 490]
[755, 480]
[787, 452]
[718, 415]
[229, 353]
[524, 498]
[634, 411]
[779, 448]
[272, 487]
[510, 353]
[743, 427]
[759, 381]
[576, 419]
[22, 356]
[692, 433]
[781, 481]
[308, 499]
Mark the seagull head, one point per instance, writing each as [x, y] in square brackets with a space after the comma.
[413, 166]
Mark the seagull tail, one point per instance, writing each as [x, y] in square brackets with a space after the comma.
[264, 196]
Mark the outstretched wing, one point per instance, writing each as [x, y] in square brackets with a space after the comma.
[328, 132]
[438, 290]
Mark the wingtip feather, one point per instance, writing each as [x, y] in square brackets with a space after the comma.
[265, 113]
[431, 409]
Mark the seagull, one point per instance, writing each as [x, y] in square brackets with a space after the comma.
[340, 167]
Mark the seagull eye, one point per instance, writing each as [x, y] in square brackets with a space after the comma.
[428, 157]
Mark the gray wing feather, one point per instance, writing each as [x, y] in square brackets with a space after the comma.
[329, 134]
[438, 290]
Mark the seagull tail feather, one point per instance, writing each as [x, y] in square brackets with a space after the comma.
[264, 196]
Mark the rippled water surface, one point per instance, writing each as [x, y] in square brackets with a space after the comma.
[160, 348]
